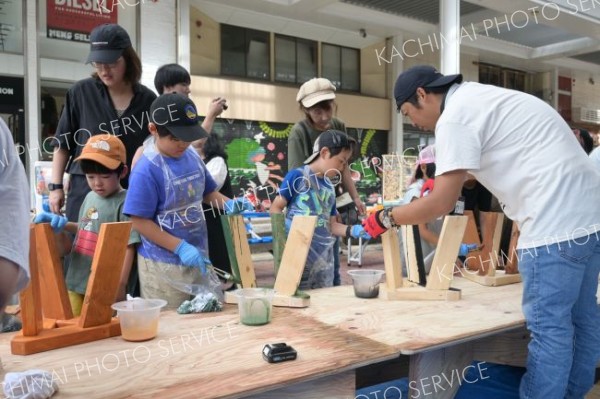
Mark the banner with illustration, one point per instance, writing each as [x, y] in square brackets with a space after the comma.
[257, 160]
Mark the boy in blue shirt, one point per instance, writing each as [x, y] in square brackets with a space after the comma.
[104, 162]
[308, 190]
[167, 188]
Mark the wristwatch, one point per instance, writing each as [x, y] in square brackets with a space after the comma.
[53, 186]
[387, 219]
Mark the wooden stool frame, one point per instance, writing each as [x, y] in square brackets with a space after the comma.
[442, 269]
[488, 257]
[48, 321]
[288, 266]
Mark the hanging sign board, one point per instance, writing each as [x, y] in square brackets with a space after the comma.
[73, 20]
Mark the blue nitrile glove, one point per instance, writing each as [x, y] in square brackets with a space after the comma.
[238, 205]
[358, 231]
[190, 256]
[466, 248]
[57, 222]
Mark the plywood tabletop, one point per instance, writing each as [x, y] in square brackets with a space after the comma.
[414, 326]
[201, 356]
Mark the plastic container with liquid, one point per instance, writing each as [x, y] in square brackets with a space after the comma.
[366, 282]
[139, 318]
[255, 305]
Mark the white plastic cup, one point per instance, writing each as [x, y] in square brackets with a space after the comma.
[139, 318]
[255, 305]
[366, 282]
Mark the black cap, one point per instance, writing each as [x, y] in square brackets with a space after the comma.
[178, 115]
[420, 76]
[330, 139]
[107, 43]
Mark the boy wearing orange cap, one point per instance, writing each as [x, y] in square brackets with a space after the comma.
[103, 160]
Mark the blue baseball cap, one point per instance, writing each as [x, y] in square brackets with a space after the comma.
[424, 76]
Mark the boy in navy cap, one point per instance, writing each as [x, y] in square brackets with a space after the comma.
[308, 190]
[167, 188]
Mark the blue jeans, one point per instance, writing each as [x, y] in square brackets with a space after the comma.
[560, 282]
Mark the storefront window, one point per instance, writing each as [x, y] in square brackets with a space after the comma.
[245, 52]
[11, 26]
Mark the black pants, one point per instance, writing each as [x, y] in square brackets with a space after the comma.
[217, 248]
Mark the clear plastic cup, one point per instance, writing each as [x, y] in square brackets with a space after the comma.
[139, 318]
[366, 282]
[255, 305]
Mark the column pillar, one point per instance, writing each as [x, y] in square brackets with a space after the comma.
[395, 142]
[31, 67]
[450, 29]
[158, 37]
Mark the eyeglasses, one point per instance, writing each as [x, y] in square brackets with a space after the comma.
[100, 65]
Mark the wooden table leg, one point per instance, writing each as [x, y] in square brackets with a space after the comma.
[438, 372]
[338, 386]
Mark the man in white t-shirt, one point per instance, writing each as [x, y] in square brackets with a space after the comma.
[521, 150]
[14, 220]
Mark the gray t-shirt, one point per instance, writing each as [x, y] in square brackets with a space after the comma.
[14, 197]
[300, 144]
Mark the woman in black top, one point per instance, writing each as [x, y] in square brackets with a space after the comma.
[112, 101]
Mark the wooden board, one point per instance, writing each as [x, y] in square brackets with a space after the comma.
[238, 248]
[202, 356]
[417, 293]
[412, 268]
[434, 373]
[512, 265]
[340, 386]
[391, 259]
[295, 254]
[471, 236]
[499, 278]
[63, 337]
[285, 301]
[485, 261]
[96, 320]
[279, 239]
[413, 326]
[107, 266]
[508, 348]
[53, 289]
[30, 298]
[442, 269]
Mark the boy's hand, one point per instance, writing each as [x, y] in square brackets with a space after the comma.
[190, 256]
[373, 225]
[358, 231]
[57, 222]
[238, 205]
